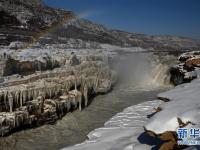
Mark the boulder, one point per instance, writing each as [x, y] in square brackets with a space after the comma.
[193, 62]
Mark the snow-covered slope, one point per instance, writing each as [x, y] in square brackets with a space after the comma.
[183, 104]
[26, 20]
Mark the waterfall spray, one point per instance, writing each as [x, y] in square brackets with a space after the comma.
[160, 74]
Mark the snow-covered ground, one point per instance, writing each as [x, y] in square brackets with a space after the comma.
[183, 104]
[122, 131]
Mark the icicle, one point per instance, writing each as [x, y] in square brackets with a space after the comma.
[74, 101]
[5, 98]
[10, 100]
[24, 96]
[17, 97]
[43, 92]
[14, 97]
[40, 94]
[59, 88]
[67, 85]
[96, 83]
[34, 94]
[80, 101]
[75, 87]
[21, 97]
[49, 92]
[37, 91]
[29, 94]
[0, 97]
[14, 120]
[56, 91]
[64, 85]
[85, 94]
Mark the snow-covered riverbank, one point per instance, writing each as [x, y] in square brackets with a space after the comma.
[122, 131]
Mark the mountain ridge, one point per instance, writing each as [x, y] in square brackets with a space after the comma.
[28, 21]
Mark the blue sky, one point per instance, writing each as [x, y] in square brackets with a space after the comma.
[172, 17]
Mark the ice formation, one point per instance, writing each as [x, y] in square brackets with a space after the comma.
[45, 96]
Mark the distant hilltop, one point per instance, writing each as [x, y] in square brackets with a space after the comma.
[25, 20]
[32, 21]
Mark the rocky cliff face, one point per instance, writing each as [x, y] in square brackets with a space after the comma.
[24, 20]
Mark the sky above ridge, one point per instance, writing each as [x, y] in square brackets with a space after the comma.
[171, 17]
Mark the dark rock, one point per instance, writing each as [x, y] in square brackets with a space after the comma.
[74, 60]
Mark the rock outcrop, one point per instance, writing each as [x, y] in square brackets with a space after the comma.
[187, 69]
